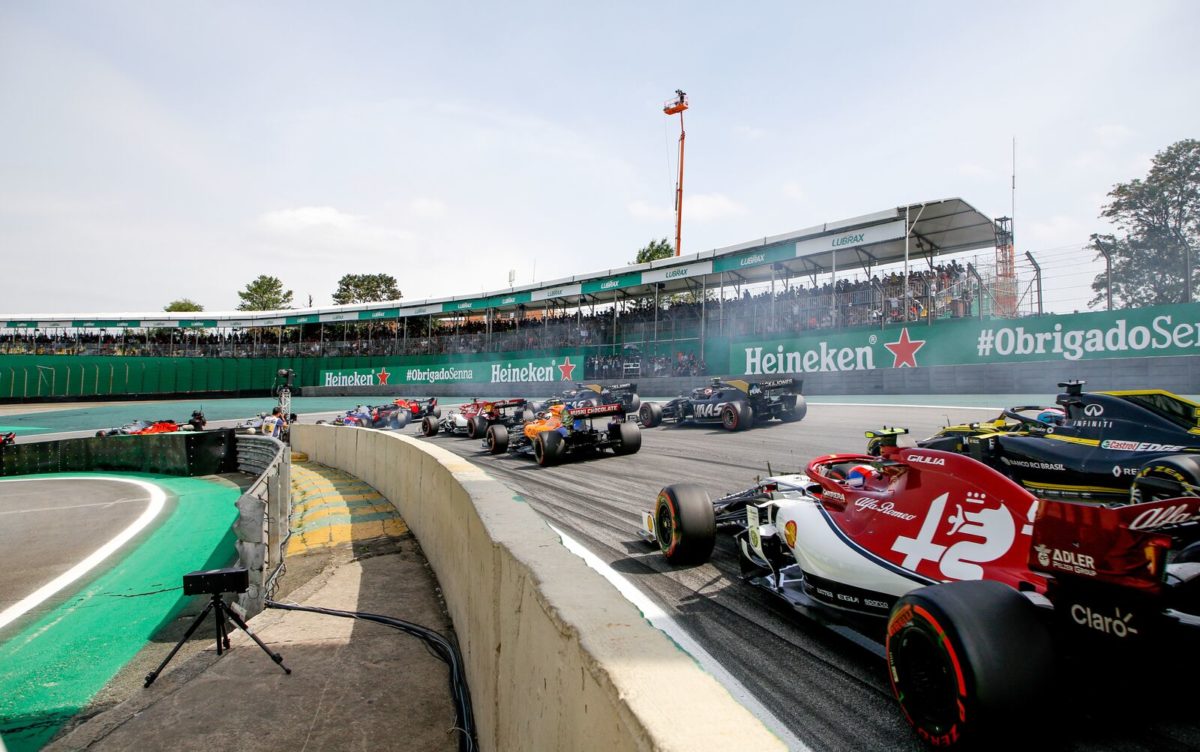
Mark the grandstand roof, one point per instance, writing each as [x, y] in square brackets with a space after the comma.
[918, 231]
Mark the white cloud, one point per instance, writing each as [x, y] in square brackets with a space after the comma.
[749, 132]
[307, 218]
[706, 207]
[1111, 136]
[1056, 231]
[427, 207]
[792, 190]
[973, 170]
[646, 210]
[324, 229]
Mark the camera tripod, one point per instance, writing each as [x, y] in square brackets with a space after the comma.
[223, 614]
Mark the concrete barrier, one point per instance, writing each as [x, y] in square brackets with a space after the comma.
[556, 658]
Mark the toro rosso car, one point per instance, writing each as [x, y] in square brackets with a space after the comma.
[970, 586]
[734, 404]
[563, 432]
[474, 417]
[1093, 444]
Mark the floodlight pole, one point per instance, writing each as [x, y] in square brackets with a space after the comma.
[673, 107]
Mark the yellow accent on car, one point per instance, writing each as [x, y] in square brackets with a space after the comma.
[1073, 439]
[739, 384]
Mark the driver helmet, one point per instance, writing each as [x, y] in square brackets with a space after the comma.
[858, 475]
[557, 411]
[1052, 415]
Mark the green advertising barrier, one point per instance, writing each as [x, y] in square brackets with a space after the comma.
[563, 365]
[1135, 333]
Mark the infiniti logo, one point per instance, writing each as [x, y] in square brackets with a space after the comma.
[1093, 410]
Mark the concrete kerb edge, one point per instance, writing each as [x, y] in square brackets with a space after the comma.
[491, 545]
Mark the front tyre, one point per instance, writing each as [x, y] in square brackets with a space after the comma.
[497, 439]
[476, 426]
[1166, 478]
[650, 414]
[737, 416]
[966, 658]
[684, 524]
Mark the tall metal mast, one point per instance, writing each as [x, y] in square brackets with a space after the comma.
[672, 107]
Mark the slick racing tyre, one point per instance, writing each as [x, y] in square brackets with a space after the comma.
[684, 524]
[429, 425]
[650, 414]
[628, 436]
[795, 412]
[1166, 478]
[737, 416]
[400, 418]
[476, 427]
[635, 404]
[497, 439]
[436, 412]
[966, 658]
[548, 448]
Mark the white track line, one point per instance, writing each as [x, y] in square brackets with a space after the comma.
[667, 624]
[158, 500]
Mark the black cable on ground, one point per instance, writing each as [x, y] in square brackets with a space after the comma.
[442, 648]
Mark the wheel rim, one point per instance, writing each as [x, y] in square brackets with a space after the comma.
[925, 682]
[491, 438]
[664, 527]
[729, 419]
[539, 450]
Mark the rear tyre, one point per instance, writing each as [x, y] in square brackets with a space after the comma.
[1166, 478]
[497, 439]
[400, 418]
[477, 426]
[548, 448]
[684, 524]
[650, 413]
[629, 438]
[797, 411]
[966, 658]
[429, 425]
[635, 404]
[436, 411]
[737, 416]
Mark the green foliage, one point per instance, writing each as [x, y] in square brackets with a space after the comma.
[183, 305]
[265, 294]
[657, 249]
[366, 288]
[1160, 221]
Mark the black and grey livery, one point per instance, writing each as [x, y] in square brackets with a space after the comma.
[735, 404]
[577, 435]
[594, 395]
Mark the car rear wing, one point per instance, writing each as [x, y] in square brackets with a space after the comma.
[598, 411]
[1126, 546]
[773, 385]
[614, 388]
[514, 402]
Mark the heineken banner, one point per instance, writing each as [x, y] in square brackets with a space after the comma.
[1135, 333]
[562, 366]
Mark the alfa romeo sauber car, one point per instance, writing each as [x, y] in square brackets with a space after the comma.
[564, 432]
[1093, 444]
[734, 404]
[473, 418]
[971, 586]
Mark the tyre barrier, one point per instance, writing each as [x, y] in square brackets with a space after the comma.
[556, 657]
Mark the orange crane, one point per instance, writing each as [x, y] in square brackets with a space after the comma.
[673, 107]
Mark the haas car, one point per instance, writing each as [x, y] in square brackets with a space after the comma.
[970, 586]
[734, 404]
[594, 395]
[1104, 445]
[473, 418]
[563, 432]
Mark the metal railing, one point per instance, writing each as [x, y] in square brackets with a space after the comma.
[264, 512]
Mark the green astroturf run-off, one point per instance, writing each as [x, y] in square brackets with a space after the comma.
[54, 666]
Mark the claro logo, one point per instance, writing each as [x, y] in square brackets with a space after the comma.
[1119, 626]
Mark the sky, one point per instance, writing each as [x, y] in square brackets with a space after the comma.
[152, 151]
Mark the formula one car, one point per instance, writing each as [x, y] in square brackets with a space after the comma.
[593, 395]
[473, 418]
[141, 427]
[1093, 444]
[8, 439]
[389, 416]
[255, 425]
[565, 431]
[419, 408]
[734, 404]
[969, 585]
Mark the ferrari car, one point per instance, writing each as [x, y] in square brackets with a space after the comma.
[735, 405]
[562, 432]
[140, 427]
[970, 586]
[473, 418]
[1110, 445]
[593, 395]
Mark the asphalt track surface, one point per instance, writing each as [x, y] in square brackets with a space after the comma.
[48, 525]
[830, 693]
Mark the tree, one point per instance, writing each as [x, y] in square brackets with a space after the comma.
[657, 249]
[366, 288]
[265, 294]
[183, 305]
[1160, 221]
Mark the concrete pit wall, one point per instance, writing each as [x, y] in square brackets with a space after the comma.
[556, 658]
